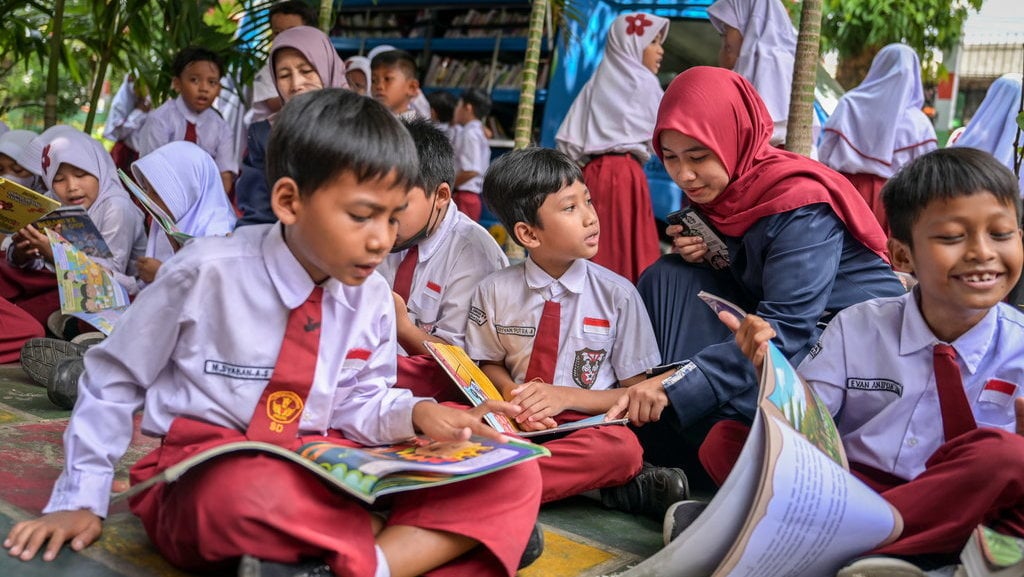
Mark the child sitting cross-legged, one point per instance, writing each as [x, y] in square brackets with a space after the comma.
[562, 337]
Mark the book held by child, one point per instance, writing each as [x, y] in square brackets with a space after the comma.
[87, 290]
[21, 206]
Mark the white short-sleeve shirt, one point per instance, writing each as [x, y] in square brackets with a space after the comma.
[451, 264]
[472, 154]
[873, 368]
[168, 123]
[605, 333]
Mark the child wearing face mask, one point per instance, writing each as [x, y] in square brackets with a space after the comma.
[12, 143]
[612, 146]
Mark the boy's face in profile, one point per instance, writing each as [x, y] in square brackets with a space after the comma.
[463, 113]
[344, 229]
[392, 88]
[422, 213]
[198, 84]
[568, 229]
[966, 255]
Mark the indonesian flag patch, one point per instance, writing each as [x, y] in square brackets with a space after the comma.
[356, 359]
[998, 392]
[434, 287]
[596, 326]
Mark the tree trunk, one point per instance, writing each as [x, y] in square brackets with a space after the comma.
[805, 68]
[325, 15]
[101, 67]
[528, 91]
[56, 45]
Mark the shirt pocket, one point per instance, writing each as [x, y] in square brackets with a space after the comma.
[585, 362]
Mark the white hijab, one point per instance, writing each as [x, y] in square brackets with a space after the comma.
[766, 57]
[993, 128]
[879, 117]
[12, 143]
[80, 150]
[362, 64]
[619, 104]
[188, 182]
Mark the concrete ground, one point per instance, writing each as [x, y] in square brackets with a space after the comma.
[582, 539]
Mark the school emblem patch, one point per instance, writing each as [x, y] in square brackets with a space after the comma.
[586, 366]
[284, 407]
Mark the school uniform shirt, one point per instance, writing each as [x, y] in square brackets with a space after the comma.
[451, 264]
[887, 410]
[472, 153]
[202, 341]
[168, 123]
[605, 333]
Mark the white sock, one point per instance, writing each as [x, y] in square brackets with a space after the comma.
[382, 563]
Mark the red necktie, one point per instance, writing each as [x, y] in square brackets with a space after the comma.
[276, 418]
[190, 132]
[545, 344]
[403, 276]
[957, 417]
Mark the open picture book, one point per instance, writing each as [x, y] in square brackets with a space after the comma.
[158, 214]
[478, 388]
[21, 206]
[369, 473]
[87, 290]
[790, 506]
[75, 226]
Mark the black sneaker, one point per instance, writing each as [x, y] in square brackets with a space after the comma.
[250, 566]
[62, 390]
[534, 547]
[680, 516]
[650, 493]
[39, 357]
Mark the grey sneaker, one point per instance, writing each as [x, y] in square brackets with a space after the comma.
[89, 339]
[250, 566]
[39, 357]
[650, 493]
[534, 547]
[680, 516]
[62, 390]
[881, 566]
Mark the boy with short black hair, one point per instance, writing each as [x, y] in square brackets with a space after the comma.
[562, 337]
[394, 81]
[196, 78]
[936, 418]
[210, 366]
[472, 151]
[442, 112]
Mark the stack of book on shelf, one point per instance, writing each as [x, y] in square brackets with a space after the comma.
[445, 71]
[476, 24]
[366, 25]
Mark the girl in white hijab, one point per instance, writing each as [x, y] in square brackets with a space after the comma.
[879, 126]
[355, 66]
[184, 181]
[993, 128]
[608, 131]
[12, 143]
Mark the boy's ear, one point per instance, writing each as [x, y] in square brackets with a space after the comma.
[901, 255]
[443, 192]
[526, 235]
[176, 84]
[285, 200]
[414, 86]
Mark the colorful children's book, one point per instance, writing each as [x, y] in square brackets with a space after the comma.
[74, 224]
[790, 506]
[87, 290]
[369, 473]
[149, 205]
[21, 206]
[478, 388]
[991, 554]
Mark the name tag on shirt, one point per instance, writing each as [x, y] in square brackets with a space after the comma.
[356, 359]
[998, 392]
[596, 326]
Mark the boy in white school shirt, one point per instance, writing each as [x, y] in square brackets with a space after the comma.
[566, 364]
[439, 258]
[948, 458]
[199, 350]
[472, 151]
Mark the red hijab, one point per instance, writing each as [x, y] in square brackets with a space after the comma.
[721, 110]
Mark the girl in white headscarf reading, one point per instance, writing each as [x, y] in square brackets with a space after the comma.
[879, 126]
[185, 182]
[608, 131]
[993, 128]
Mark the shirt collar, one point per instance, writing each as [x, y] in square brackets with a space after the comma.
[432, 243]
[970, 347]
[289, 279]
[573, 279]
[183, 108]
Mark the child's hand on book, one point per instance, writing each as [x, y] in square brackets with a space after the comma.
[148, 268]
[642, 403]
[31, 243]
[752, 336]
[442, 423]
[81, 527]
[540, 402]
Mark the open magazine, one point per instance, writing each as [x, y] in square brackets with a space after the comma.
[21, 206]
[369, 473]
[155, 211]
[478, 388]
[75, 226]
[87, 290]
[790, 506]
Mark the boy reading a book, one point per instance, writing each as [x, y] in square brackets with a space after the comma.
[211, 367]
[934, 421]
[562, 337]
[439, 258]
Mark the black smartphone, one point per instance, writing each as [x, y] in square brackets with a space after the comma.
[695, 225]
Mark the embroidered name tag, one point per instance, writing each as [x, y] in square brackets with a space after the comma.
[596, 326]
[237, 371]
[875, 385]
[515, 331]
[998, 391]
[356, 359]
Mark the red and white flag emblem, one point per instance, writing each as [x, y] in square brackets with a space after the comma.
[998, 391]
[356, 359]
[596, 326]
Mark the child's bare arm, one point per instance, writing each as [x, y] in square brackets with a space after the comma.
[81, 527]
[464, 177]
[410, 336]
[442, 423]
[542, 401]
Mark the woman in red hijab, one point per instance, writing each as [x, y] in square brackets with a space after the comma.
[795, 243]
